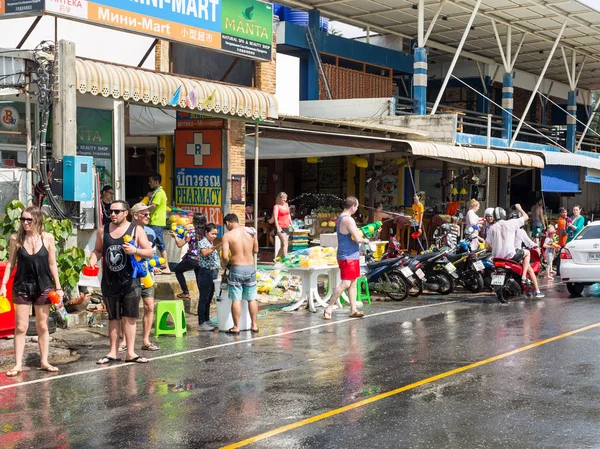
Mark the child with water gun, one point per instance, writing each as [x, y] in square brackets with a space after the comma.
[550, 246]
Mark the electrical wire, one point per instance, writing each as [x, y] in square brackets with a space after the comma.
[512, 115]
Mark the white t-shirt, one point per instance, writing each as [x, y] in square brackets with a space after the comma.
[523, 239]
[502, 236]
[472, 220]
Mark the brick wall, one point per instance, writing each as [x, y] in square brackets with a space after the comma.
[236, 160]
[266, 72]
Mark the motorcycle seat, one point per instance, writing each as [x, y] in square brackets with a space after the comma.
[426, 257]
[380, 263]
[454, 257]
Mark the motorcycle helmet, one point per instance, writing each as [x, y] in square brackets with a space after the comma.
[489, 212]
[463, 246]
[446, 228]
[499, 214]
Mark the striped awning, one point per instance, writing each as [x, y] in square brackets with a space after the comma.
[160, 89]
[477, 156]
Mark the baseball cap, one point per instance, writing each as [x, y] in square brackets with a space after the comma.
[139, 207]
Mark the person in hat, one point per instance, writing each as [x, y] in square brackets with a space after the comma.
[141, 216]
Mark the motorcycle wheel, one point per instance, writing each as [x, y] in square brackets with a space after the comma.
[500, 295]
[509, 289]
[472, 281]
[417, 290]
[402, 294]
[446, 283]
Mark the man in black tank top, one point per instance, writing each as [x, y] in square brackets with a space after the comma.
[120, 291]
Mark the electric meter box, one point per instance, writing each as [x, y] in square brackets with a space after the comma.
[78, 178]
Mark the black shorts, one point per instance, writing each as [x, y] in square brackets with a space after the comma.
[519, 255]
[124, 305]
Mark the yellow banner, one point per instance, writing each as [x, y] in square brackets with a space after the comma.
[198, 196]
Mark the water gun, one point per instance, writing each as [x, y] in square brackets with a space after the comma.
[58, 306]
[180, 230]
[369, 230]
[140, 270]
[156, 261]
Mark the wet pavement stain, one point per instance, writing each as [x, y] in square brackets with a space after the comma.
[545, 397]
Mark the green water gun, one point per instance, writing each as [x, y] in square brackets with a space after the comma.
[369, 230]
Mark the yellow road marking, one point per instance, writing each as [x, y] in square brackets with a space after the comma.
[387, 394]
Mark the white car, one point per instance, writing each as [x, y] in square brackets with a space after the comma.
[580, 259]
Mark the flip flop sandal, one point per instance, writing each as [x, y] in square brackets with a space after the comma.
[327, 316]
[13, 373]
[137, 359]
[255, 331]
[183, 296]
[232, 332]
[50, 369]
[106, 360]
[357, 315]
[150, 347]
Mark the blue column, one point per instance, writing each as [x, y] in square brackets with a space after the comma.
[314, 18]
[571, 122]
[420, 81]
[483, 104]
[507, 103]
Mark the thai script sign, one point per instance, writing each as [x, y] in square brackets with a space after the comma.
[198, 172]
[242, 27]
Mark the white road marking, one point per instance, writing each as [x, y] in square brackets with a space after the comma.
[116, 365]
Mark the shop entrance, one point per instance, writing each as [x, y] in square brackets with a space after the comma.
[140, 163]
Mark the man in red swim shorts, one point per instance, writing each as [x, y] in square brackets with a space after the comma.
[348, 256]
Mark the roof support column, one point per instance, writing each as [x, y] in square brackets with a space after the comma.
[314, 19]
[587, 125]
[571, 122]
[539, 81]
[420, 81]
[456, 56]
[507, 104]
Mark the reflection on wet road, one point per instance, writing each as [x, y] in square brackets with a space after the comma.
[417, 374]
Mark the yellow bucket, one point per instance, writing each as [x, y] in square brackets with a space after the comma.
[4, 305]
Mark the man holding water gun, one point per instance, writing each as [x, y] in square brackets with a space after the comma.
[120, 290]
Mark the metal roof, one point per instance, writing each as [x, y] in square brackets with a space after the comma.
[539, 20]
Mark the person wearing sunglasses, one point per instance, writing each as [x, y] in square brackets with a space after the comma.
[34, 253]
[121, 292]
[141, 215]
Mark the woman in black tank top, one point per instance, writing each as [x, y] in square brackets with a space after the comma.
[34, 253]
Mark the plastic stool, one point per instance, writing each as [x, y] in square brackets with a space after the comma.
[360, 283]
[176, 310]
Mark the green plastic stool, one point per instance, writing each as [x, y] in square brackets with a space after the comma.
[360, 296]
[176, 310]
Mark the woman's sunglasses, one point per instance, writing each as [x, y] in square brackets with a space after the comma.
[26, 220]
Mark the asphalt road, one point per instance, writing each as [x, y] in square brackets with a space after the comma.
[455, 372]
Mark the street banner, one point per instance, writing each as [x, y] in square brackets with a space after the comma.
[241, 27]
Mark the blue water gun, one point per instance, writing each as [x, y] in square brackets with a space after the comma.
[140, 269]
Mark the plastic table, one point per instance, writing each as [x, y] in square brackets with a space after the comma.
[310, 293]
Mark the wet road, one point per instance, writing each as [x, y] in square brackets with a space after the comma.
[451, 372]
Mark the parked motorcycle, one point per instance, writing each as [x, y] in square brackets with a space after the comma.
[506, 278]
[439, 273]
[468, 266]
[385, 276]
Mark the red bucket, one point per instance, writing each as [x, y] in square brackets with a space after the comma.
[7, 319]
[90, 271]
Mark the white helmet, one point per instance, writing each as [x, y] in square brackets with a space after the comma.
[489, 212]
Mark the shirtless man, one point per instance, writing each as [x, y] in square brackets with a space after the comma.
[242, 275]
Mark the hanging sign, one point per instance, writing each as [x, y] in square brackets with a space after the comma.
[198, 172]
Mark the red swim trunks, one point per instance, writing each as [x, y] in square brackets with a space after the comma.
[349, 269]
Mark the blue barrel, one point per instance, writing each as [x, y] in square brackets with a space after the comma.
[301, 18]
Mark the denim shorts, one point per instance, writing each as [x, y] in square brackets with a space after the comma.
[242, 283]
[160, 238]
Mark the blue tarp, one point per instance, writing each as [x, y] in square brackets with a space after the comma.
[560, 179]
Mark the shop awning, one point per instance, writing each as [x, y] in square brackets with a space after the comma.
[478, 156]
[570, 159]
[592, 175]
[560, 179]
[152, 88]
